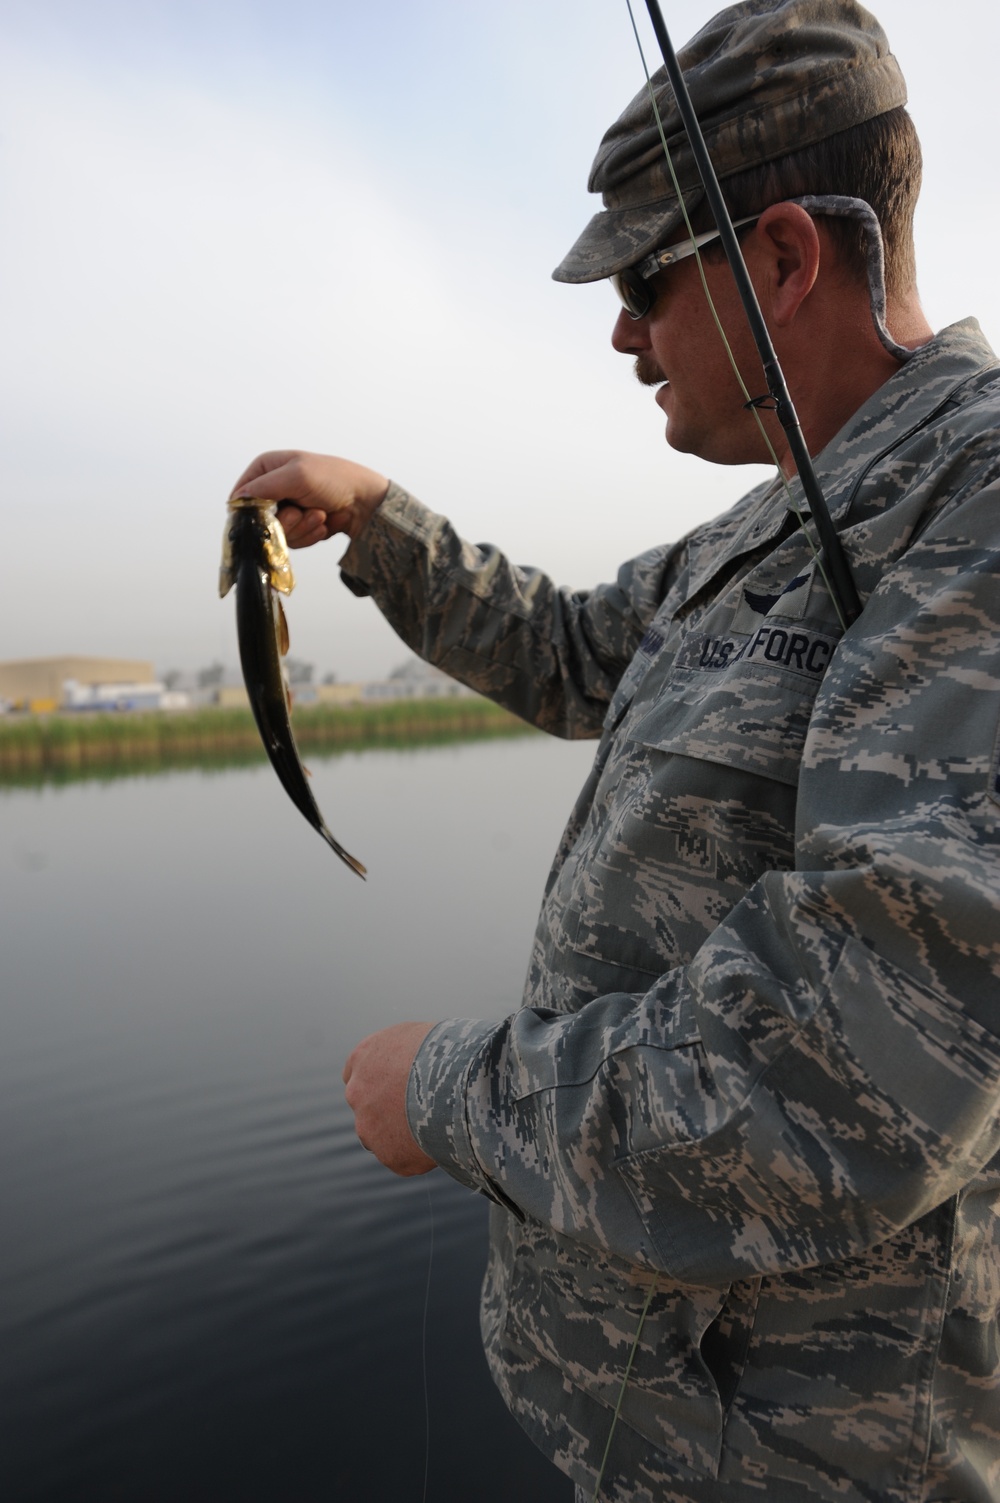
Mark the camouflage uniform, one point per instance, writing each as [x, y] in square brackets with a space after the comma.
[758, 1059]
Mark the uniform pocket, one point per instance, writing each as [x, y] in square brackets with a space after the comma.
[681, 841]
[755, 721]
[572, 1311]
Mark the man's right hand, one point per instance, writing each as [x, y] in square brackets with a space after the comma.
[325, 495]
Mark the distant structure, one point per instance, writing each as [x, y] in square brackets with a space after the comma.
[416, 679]
[72, 683]
[40, 683]
[411, 680]
[230, 697]
[123, 695]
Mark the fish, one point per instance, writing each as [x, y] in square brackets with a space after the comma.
[255, 560]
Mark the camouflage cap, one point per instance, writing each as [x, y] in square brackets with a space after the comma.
[766, 77]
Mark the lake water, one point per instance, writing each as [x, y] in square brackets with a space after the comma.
[208, 1290]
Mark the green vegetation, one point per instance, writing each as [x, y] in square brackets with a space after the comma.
[61, 748]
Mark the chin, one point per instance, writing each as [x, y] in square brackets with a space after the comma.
[685, 437]
[713, 448]
[683, 441]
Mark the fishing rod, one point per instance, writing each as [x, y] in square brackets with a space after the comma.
[840, 578]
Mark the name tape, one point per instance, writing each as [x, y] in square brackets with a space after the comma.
[800, 651]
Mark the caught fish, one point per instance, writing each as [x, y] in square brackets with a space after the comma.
[255, 560]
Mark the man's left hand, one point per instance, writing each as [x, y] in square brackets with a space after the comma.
[375, 1075]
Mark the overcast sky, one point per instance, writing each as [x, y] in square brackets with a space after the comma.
[233, 225]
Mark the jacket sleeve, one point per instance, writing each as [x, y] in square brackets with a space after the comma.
[552, 656]
[827, 1068]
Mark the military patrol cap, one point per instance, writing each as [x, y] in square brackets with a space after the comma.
[766, 77]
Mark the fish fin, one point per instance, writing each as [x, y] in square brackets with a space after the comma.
[283, 638]
[276, 552]
[288, 698]
[227, 568]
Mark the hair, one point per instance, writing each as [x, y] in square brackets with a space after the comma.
[878, 160]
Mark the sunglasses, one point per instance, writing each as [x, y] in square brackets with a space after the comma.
[633, 284]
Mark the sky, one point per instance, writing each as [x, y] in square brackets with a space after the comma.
[236, 225]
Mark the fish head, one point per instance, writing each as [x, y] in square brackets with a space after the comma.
[252, 527]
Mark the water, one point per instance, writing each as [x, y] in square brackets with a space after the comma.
[208, 1290]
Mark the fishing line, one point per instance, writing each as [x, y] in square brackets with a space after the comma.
[621, 1391]
[752, 404]
[423, 1338]
[845, 590]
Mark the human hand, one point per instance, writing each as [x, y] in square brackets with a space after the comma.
[376, 1075]
[326, 495]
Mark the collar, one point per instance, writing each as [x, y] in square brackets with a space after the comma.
[909, 400]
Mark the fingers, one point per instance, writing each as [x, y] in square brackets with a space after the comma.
[352, 1059]
[282, 474]
[341, 494]
[264, 464]
[314, 501]
[375, 1078]
[303, 527]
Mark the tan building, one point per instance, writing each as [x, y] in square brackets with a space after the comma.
[339, 694]
[231, 697]
[40, 680]
[234, 696]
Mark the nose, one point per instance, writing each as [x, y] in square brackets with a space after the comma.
[630, 336]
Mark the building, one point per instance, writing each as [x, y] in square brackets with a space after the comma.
[415, 679]
[38, 683]
[116, 696]
[340, 694]
[231, 697]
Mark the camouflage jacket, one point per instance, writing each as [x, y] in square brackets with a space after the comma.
[757, 1067]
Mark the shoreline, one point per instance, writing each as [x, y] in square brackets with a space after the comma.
[65, 747]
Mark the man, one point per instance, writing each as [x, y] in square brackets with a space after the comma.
[742, 1137]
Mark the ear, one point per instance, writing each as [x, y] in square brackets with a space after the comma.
[789, 244]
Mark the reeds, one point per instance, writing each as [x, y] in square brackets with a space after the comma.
[63, 747]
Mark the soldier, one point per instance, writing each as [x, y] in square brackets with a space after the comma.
[742, 1136]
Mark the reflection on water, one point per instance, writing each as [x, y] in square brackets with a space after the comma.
[208, 1291]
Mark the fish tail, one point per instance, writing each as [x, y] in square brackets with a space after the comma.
[345, 856]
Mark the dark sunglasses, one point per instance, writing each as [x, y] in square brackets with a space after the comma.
[633, 284]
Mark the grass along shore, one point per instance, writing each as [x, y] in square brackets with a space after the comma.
[61, 747]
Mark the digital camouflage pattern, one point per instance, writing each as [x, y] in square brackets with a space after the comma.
[758, 1059]
[766, 77]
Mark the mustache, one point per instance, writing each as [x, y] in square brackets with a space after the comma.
[647, 372]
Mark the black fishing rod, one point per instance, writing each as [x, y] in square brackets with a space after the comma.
[841, 580]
